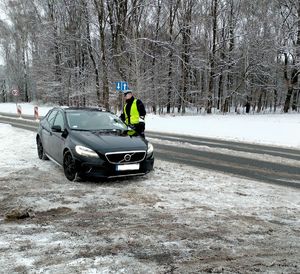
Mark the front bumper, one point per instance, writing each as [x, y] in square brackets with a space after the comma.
[98, 168]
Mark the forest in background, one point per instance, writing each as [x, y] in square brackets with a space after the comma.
[176, 55]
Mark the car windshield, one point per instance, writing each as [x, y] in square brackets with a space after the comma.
[94, 120]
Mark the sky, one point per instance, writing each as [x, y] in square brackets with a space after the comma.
[271, 129]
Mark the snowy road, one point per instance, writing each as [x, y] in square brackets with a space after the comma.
[262, 166]
[269, 164]
[177, 219]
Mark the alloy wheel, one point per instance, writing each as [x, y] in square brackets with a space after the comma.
[40, 150]
[69, 167]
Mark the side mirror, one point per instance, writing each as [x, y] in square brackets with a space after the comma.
[56, 128]
[65, 133]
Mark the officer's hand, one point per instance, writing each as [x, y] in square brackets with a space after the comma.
[141, 126]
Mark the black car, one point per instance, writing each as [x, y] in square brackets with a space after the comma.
[89, 142]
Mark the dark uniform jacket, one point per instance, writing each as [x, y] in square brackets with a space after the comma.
[140, 127]
[140, 107]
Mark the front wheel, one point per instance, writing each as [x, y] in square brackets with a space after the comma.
[40, 150]
[70, 167]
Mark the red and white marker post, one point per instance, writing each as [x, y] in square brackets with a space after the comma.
[36, 113]
[19, 110]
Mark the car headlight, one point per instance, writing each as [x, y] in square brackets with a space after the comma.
[85, 151]
[150, 148]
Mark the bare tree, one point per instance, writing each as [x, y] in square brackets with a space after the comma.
[176, 54]
[291, 14]
[102, 19]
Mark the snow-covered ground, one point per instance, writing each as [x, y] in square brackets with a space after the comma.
[272, 129]
[177, 219]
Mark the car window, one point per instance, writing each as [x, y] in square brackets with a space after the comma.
[59, 121]
[51, 117]
[94, 120]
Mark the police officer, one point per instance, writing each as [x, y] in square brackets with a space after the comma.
[134, 113]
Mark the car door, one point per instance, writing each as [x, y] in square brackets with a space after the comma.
[47, 133]
[57, 140]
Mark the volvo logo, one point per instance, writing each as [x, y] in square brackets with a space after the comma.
[127, 157]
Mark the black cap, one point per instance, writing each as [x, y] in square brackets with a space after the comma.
[127, 91]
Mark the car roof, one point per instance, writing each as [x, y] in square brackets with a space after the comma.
[67, 109]
[84, 109]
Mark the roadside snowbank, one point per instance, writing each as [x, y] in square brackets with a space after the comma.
[272, 129]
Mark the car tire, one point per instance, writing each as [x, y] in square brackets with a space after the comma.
[70, 167]
[40, 150]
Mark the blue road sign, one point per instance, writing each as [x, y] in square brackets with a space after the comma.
[121, 86]
[125, 86]
[118, 85]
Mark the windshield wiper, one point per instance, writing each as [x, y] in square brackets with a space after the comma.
[80, 129]
[109, 130]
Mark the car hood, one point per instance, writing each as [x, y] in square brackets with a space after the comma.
[109, 142]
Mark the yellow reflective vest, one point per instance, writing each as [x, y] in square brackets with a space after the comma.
[134, 113]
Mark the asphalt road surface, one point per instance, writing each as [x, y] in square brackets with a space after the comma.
[216, 155]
